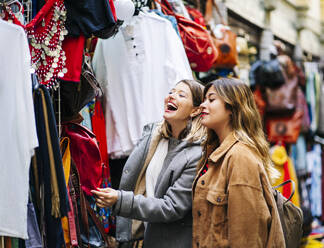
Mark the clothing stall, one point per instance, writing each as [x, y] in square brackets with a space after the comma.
[79, 81]
[80, 84]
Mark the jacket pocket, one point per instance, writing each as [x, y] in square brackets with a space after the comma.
[217, 206]
[217, 212]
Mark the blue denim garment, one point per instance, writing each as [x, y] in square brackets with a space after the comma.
[34, 238]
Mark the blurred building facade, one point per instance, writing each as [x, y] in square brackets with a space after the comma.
[299, 23]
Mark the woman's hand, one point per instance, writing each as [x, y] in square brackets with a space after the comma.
[106, 197]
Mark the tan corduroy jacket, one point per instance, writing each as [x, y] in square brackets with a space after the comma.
[232, 202]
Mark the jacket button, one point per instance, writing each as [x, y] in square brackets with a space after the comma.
[199, 214]
[126, 171]
[203, 182]
[219, 199]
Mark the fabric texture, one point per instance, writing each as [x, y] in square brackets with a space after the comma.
[299, 155]
[49, 171]
[312, 93]
[73, 48]
[155, 166]
[233, 205]
[172, 19]
[136, 59]
[314, 161]
[34, 238]
[18, 130]
[92, 17]
[168, 213]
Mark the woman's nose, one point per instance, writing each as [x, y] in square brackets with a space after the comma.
[203, 104]
[172, 95]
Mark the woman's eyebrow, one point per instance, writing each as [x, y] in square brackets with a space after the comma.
[183, 92]
[210, 94]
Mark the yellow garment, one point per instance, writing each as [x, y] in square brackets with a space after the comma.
[309, 242]
[279, 157]
[66, 159]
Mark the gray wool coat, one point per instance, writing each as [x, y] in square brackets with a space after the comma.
[168, 214]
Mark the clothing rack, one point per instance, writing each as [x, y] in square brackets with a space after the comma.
[28, 10]
[25, 4]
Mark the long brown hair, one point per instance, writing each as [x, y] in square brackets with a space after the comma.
[196, 130]
[245, 118]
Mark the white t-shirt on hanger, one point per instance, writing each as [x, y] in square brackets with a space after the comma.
[138, 67]
[18, 130]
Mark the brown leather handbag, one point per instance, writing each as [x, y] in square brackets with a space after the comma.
[285, 129]
[226, 46]
[282, 100]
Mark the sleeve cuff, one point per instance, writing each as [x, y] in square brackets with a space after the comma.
[124, 204]
[116, 207]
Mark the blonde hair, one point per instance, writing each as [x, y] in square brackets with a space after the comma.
[245, 119]
[195, 130]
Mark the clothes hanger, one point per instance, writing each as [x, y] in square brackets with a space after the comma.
[11, 2]
[138, 5]
[7, 3]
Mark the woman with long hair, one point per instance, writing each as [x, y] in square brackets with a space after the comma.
[154, 199]
[233, 205]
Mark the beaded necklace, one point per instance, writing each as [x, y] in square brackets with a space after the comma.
[45, 34]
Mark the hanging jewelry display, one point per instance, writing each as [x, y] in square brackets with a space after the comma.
[45, 34]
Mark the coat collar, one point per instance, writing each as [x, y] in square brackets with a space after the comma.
[220, 151]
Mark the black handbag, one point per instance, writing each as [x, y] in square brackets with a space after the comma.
[267, 73]
[74, 96]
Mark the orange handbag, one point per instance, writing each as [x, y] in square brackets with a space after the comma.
[226, 45]
[285, 129]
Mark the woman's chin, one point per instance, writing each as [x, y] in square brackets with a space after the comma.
[167, 116]
[204, 123]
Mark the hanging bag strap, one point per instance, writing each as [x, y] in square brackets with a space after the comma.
[219, 12]
[292, 191]
[97, 222]
[210, 4]
[83, 208]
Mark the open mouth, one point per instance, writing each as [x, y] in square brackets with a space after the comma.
[171, 106]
